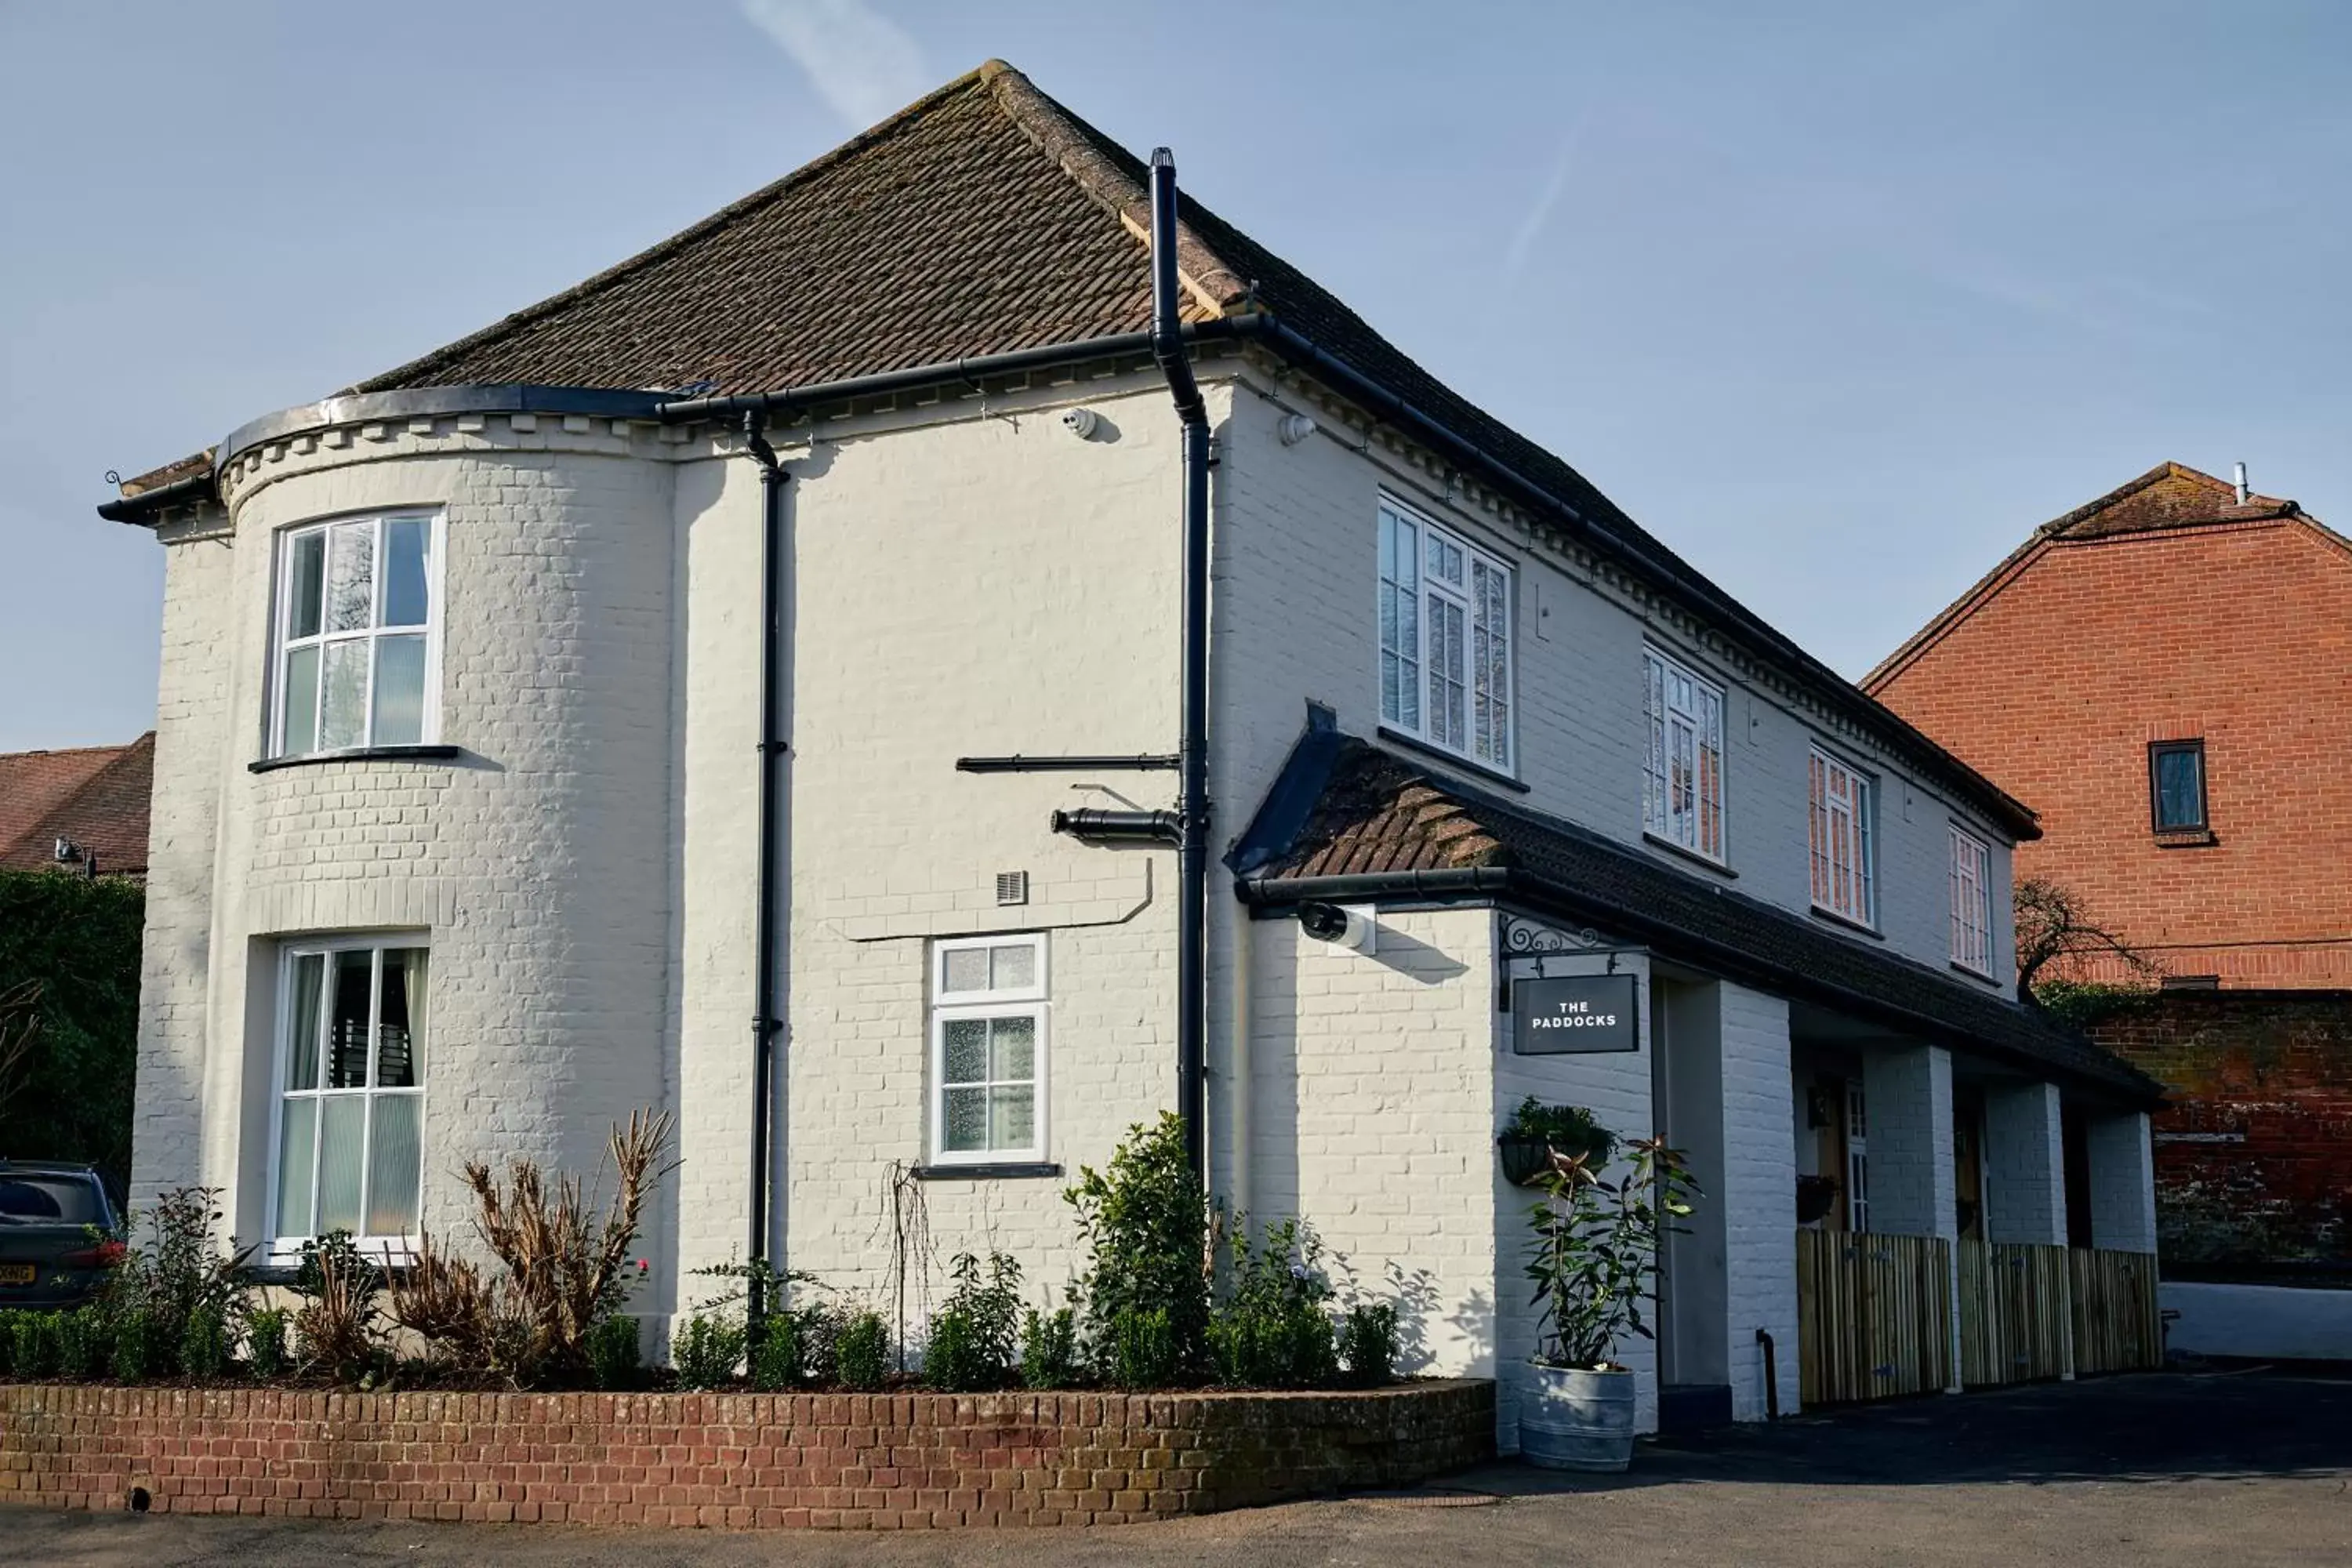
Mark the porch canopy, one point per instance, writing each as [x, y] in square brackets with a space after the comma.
[1349, 821]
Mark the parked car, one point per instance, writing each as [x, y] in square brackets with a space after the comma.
[58, 1233]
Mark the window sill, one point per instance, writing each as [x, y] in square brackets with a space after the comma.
[1451, 759]
[1848, 923]
[1001, 1172]
[2185, 838]
[1979, 975]
[1684, 852]
[360, 754]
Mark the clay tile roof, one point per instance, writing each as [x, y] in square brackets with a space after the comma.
[1376, 813]
[95, 796]
[985, 218]
[2169, 495]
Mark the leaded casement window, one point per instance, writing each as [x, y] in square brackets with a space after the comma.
[350, 1091]
[353, 654]
[989, 1014]
[1971, 902]
[2176, 785]
[1841, 841]
[1682, 788]
[1446, 639]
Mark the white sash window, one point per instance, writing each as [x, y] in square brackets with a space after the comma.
[1682, 791]
[1841, 841]
[1446, 639]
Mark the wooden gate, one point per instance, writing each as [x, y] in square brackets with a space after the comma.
[2117, 1328]
[2014, 1305]
[1874, 1316]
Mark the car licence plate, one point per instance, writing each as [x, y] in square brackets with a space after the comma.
[15, 1273]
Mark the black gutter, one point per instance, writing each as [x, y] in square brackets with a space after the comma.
[196, 488]
[1110, 827]
[1192, 739]
[1498, 883]
[1144, 761]
[766, 1024]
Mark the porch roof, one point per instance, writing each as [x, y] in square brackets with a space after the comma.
[1348, 818]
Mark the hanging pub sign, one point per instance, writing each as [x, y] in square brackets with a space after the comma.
[1576, 1014]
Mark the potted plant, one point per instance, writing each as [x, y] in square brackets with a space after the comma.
[1815, 1196]
[1537, 1133]
[1594, 1260]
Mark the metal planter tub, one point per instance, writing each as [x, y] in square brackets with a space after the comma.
[1574, 1418]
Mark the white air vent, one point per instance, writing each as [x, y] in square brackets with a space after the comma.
[1013, 887]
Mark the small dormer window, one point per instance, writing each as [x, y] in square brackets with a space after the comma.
[352, 640]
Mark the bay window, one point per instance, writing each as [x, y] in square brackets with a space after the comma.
[350, 1092]
[352, 644]
[1446, 639]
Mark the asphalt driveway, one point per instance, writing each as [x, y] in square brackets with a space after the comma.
[2247, 1468]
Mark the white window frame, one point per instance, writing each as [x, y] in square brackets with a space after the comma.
[283, 644]
[1009, 1002]
[1858, 1158]
[1849, 892]
[1407, 682]
[286, 1247]
[1677, 702]
[1972, 929]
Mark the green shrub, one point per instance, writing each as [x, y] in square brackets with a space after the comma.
[862, 1353]
[1144, 1296]
[36, 1345]
[69, 962]
[1143, 1351]
[137, 1350]
[1049, 1349]
[265, 1340]
[1272, 1330]
[9, 1317]
[204, 1344]
[975, 1339]
[84, 1345]
[774, 1360]
[614, 1360]
[1367, 1343]
[706, 1349]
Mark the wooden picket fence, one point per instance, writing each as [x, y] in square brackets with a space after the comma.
[1874, 1316]
[2014, 1305]
[2116, 1325]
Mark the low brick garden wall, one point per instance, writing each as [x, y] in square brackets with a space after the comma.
[731, 1460]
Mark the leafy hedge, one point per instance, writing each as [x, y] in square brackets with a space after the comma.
[77, 939]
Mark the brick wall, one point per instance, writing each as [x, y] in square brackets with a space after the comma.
[2253, 1161]
[738, 1461]
[2055, 685]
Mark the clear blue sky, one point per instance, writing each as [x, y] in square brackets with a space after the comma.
[1840, 302]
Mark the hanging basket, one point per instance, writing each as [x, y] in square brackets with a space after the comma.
[1524, 1159]
[1815, 1196]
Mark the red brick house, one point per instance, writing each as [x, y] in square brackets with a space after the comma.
[92, 798]
[2176, 663]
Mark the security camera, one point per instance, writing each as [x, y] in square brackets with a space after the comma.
[1348, 926]
[1081, 421]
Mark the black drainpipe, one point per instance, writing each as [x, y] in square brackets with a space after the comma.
[764, 1022]
[1192, 740]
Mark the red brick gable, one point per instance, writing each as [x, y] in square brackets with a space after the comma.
[96, 796]
[2166, 611]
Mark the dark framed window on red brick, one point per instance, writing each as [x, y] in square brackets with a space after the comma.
[2176, 786]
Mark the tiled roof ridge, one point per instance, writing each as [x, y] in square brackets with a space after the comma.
[73, 751]
[1104, 177]
[734, 211]
[2254, 509]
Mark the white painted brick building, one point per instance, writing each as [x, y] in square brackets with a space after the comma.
[459, 787]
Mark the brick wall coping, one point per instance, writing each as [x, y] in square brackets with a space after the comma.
[729, 1461]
